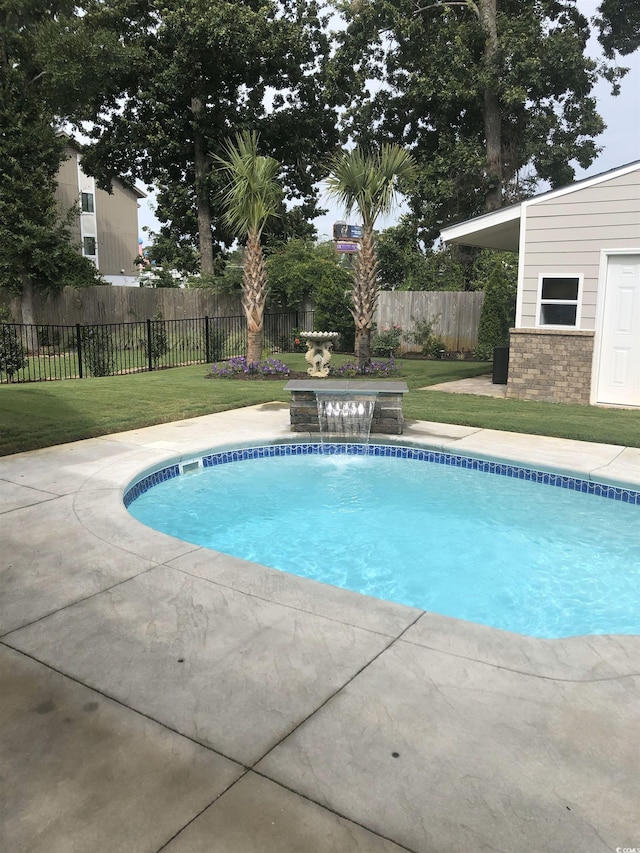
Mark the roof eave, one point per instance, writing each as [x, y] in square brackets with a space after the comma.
[497, 230]
[501, 228]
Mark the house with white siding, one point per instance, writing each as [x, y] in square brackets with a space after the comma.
[106, 228]
[577, 330]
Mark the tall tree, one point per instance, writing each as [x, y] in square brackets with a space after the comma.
[618, 22]
[251, 196]
[491, 96]
[190, 73]
[368, 183]
[35, 249]
[405, 265]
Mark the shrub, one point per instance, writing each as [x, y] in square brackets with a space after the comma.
[97, 350]
[499, 306]
[431, 344]
[387, 342]
[332, 300]
[158, 340]
[299, 345]
[234, 343]
[13, 355]
[216, 344]
[273, 343]
[49, 336]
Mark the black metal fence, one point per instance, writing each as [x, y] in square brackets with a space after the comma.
[43, 352]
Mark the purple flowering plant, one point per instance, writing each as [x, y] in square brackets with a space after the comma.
[374, 368]
[239, 365]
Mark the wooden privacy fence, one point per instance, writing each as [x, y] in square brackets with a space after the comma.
[104, 303]
[455, 315]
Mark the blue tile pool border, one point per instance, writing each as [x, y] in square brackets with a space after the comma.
[562, 481]
[150, 481]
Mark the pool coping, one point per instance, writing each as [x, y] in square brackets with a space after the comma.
[81, 485]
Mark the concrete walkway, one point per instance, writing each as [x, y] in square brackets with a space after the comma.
[482, 385]
[159, 696]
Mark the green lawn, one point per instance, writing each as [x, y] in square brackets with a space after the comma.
[46, 413]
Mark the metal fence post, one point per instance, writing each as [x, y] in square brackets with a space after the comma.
[207, 340]
[149, 355]
[79, 349]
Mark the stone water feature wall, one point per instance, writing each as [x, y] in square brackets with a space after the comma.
[387, 413]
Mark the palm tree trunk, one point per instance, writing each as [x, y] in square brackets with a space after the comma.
[363, 348]
[365, 296]
[254, 293]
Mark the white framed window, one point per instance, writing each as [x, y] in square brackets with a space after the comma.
[559, 301]
[89, 246]
[87, 203]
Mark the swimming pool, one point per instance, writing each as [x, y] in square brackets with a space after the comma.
[536, 553]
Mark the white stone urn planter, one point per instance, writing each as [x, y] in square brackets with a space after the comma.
[318, 355]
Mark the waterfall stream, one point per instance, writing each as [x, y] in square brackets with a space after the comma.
[345, 415]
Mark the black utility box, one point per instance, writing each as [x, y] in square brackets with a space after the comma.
[500, 365]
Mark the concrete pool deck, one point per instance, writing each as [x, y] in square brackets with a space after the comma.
[155, 695]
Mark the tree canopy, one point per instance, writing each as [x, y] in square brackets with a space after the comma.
[490, 96]
[403, 264]
[34, 234]
[176, 77]
[618, 22]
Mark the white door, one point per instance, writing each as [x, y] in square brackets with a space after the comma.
[619, 369]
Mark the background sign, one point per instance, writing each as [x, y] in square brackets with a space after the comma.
[342, 231]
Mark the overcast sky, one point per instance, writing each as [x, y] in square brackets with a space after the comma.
[620, 141]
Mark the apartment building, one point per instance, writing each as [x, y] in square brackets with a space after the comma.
[106, 228]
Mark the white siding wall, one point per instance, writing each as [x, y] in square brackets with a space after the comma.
[564, 235]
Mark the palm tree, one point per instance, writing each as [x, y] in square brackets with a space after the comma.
[368, 183]
[251, 196]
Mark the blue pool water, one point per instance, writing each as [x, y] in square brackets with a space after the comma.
[497, 550]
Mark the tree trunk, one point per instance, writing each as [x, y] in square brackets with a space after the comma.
[491, 111]
[254, 347]
[26, 307]
[201, 165]
[365, 296]
[493, 133]
[27, 314]
[363, 347]
[254, 294]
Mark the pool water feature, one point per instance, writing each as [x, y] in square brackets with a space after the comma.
[420, 528]
[317, 406]
[346, 415]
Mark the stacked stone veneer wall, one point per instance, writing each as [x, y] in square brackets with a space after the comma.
[387, 413]
[550, 365]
